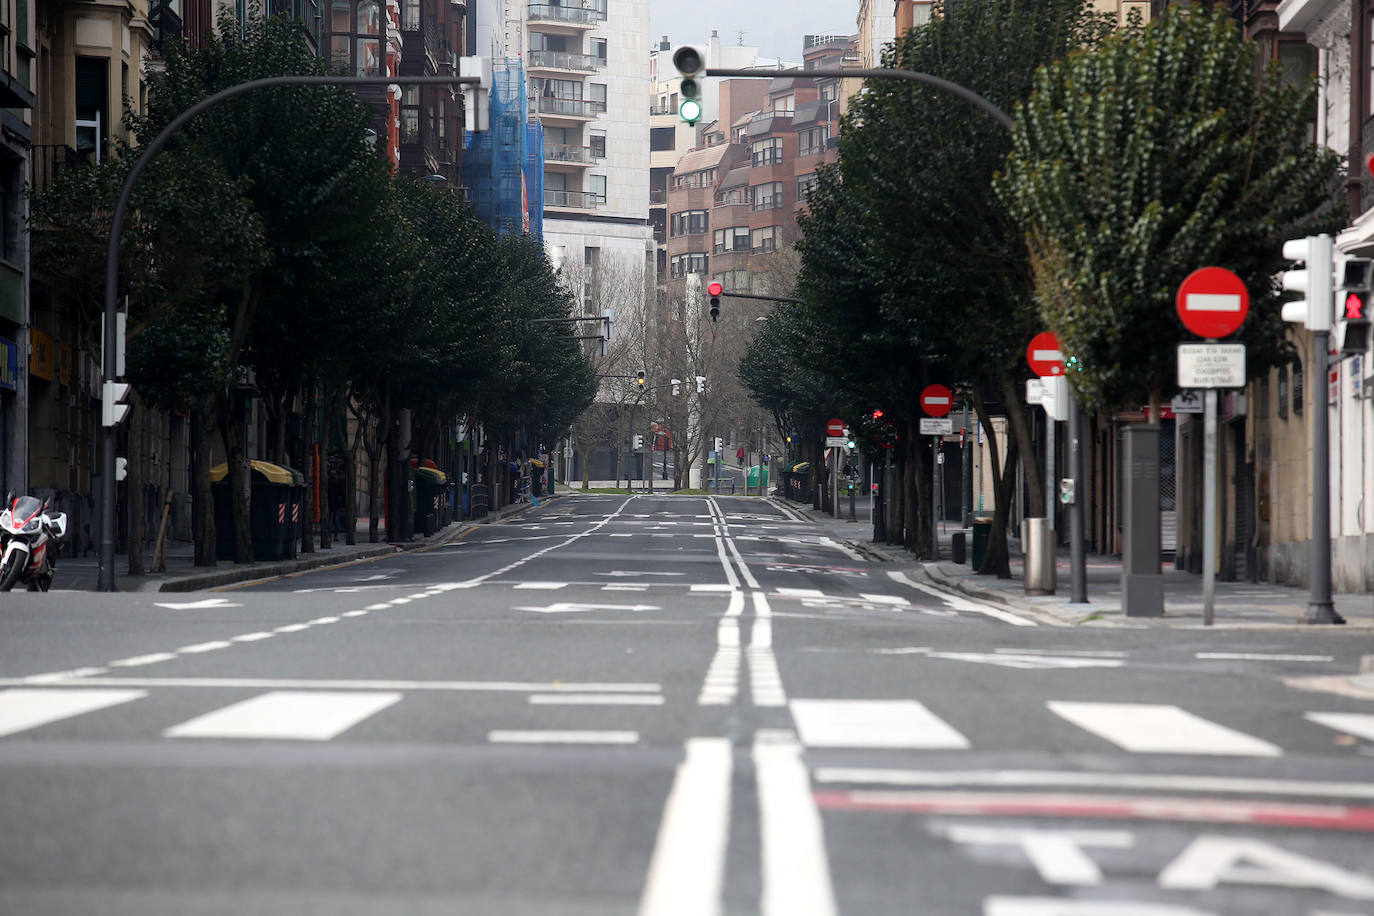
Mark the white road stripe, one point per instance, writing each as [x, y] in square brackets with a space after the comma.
[354, 614]
[251, 637]
[796, 869]
[1260, 657]
[23, 708]
[963, 604]
[286, 714]
[799, 593]
[248, 683]
[1359, 724]
[624, 588]
[594, 699]
[872, 724]
[1002, 779]
[292, 628]
[563, 737]
[206, 646]
[895, 600]
[541, 585]
[687, 871]
[713, 588]
[140, 660]
[1147, 728]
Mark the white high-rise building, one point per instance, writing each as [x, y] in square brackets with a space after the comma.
[587, 62]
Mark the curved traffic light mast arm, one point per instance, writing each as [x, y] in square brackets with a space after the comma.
[105, 580]
[910, 76]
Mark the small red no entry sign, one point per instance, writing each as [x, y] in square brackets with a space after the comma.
[1212, 302]
[1044, 355]
[936, 400]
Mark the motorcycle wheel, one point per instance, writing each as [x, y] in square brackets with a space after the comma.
[10, 573]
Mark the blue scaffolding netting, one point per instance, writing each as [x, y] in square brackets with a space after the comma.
[504, 165]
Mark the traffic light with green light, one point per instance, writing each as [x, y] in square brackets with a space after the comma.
[690, 64]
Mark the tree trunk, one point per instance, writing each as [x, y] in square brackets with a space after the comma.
[136, 470]
[233, 433]
[202, 498]
[1021, 429]
[350, 470]
[312, 414]
[997, 560]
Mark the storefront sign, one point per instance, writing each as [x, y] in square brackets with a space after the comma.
[41, 356]
[9, 365]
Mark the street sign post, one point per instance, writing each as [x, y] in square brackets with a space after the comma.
[1212, 302]
[836, 441]
[936, 400]
[937, 426]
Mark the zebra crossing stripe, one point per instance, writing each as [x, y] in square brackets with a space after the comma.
[287, 714]
[1359, 724]
[1146, 728]
[23, 708]
[873, 724]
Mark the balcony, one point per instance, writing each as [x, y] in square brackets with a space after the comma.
[565, 60]
[770, 202]
[572, 16]
[576, 200]
[570, 108]
[567, 155]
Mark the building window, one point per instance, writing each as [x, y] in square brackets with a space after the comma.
[804, 185]
[735, 281]
[732, 196]
[598, 187]
[765, 152]
[597, 93]
[410, 114]
[767, 196]
[1283, 392]
[735, 238]
[1297, 387]
[830, 91]
[684, 264]
[662, 138]
[811, 142]
[356, 50]
[599, 51]
[784, 105]
[688, 222]
[92, 106]
[765, 239]
[597, 141]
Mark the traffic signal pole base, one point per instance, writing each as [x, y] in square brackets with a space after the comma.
[1322, 612]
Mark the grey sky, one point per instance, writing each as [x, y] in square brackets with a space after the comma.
[775, 27]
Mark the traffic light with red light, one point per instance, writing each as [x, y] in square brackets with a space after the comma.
[714, 289]
[1354, 287]
[877, 414]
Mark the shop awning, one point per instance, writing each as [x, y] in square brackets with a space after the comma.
[272, 473]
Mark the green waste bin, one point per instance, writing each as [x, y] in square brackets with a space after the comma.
[754, 477]
[982, 530]
[429, 493]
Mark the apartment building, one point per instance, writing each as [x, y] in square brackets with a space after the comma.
[17, 80]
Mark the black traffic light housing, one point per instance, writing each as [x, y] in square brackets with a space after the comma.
[715, 289]
[639, 378]
[689, 64]
[1354, 289]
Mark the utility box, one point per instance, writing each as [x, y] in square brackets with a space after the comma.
[1142, 584]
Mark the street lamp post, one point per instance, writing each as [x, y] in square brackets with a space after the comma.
[105, 579]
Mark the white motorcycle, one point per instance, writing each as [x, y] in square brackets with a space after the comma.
[29, 538]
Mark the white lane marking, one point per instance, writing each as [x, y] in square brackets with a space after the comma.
[206, 646]
[1057, 855]
[541, 585]
[292, 628]
[963, 604]
[625, 588]
[594, 699]
[842, 547]
[1261, 657]
[720, 686]
[637, 574]
[338, 684]
[378, 607]
[622, 535]
[744, 572]
[318, 621]
[872, 724]
[796, 869]
[24, 708]
[761, 635]
[139, 660]
[195, 605]
[1001, 779]
[396, 601]
[1058, 906]
[687, 871]
[736, 606]
[799, 593]
[1086, 653]
[67, 675]
[894, 600]
[354, 613]
[568, 607]
[286, 714]
[1148, 728]
[765, 682]
[563, 737]
[250, 637]
[713, 588]
[1361, 725]
[1029, 661]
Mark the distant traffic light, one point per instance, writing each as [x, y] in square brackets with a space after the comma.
[677, 386]
[689, 63]
[1313, 279]
[701, 384]
[638, 442]
[714, 289]
[121, 468]
[877, 414]
[639, 378]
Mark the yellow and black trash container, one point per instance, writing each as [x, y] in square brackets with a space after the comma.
[276, 505]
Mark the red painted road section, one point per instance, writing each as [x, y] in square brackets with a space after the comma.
[1113, 807]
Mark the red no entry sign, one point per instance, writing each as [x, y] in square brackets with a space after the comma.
[935, 400]
[1044, 356]
[1212, 302]
[835, 428]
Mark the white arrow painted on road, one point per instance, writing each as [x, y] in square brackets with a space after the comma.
[197, 605]
[565, 607]
[621, 572]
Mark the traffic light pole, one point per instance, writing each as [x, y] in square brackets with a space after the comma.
[1319, 606]
[105, 578]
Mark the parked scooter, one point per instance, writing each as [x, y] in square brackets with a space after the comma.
[30, 537]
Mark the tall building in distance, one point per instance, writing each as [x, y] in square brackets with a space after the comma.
[586, 62]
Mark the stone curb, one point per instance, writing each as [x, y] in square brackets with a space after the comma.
[253, 572]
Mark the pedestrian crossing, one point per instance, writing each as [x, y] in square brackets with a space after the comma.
[317, 715]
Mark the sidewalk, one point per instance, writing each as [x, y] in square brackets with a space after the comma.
[1235, 605]
[182, 575]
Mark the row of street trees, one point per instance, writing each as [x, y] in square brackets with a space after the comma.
[270, 241]
[940, 244]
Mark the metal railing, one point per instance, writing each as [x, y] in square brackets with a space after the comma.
[771, 202]
[565, 60]
[557, 152]
[661, 110]
[582, 200]
[572, 14]
[577, 108]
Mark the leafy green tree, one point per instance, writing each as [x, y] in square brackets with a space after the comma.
[1161, 153]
